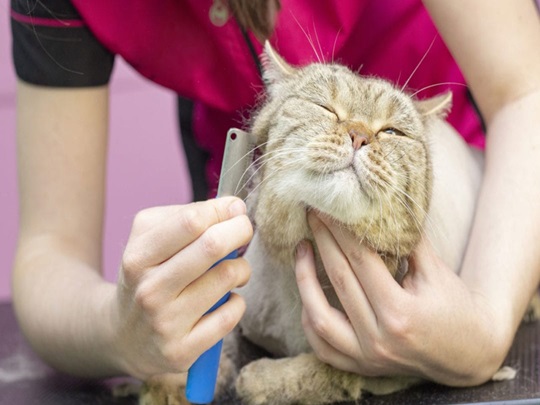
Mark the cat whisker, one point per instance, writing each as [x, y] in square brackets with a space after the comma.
[334, 46]
[241, 181]
[398, 157]
[393, 214]
[381, 217]
[397, 191]
[410, 211]
[431, 226]
[391, 151]
[308, 37]
[438, 84]
[428, 223]
[418, 65]
[249, 168]
[318, 41]
[284, 167]
[394, 217]
[406, 195]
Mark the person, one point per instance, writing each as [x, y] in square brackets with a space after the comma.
[452, 329]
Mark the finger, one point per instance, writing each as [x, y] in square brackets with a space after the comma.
[201, 295]
[424, 259]
[164, 283]
[329, 323]
[174, 275]
[160, 233]
[348, 288]
[424, 256]
[377, 282]
[326, 352]
[213, 327]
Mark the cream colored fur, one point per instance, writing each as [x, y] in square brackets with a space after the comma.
[273, 318]
[309, 131]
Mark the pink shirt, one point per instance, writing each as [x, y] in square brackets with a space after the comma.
[178, 46]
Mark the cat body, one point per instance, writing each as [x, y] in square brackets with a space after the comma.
[382, 164]
[322, 176]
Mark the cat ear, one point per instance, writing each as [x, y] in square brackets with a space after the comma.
[438, 106]
[274, 66]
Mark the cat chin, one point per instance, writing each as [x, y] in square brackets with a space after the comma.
[347, 216]
[338, 195]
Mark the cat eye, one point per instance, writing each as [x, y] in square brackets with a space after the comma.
[393, 131]
[327, 109]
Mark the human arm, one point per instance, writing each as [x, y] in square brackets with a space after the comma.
[435, 320]
[149, 322]
[502, 66]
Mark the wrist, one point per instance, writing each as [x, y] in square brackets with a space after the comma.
[107, 314]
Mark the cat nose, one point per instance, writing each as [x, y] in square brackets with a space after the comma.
[358, 140]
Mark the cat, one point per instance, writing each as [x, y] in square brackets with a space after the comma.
[384, 165]
[378, 161]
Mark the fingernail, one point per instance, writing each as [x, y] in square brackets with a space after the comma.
[301, 249]
[237, 208]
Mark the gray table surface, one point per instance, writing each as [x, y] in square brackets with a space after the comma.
[26, 380]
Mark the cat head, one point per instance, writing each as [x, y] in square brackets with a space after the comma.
[355, 148]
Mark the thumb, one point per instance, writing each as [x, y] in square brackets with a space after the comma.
[422, 259]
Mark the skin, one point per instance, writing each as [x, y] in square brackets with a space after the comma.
[432, 321]
[152, 321]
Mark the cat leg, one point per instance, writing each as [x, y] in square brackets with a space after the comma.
[305, 380]
[169, 389]
[164, 389]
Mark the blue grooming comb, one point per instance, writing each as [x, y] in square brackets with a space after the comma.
[202, 375]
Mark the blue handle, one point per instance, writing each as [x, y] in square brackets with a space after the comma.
[202, 375]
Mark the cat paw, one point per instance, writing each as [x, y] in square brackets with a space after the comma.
[169, 389]
[166, 389]
[286, 381]
[305, 380]
[252, 386]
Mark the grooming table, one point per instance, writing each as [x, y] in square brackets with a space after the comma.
[26, 380]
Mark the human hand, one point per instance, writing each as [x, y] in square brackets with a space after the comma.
[165, 287]
[430, 326]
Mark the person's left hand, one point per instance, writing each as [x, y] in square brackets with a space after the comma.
[430, 326]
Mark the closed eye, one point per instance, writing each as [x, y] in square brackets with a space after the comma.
[329, 109]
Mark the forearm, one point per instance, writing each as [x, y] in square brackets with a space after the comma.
[64, 308]
[502, 263]
[60, 298]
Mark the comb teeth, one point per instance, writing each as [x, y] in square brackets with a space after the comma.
[237, 156]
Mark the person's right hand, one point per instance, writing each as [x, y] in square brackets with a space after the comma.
[164, 288]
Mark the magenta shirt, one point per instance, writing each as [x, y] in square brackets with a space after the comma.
[177, 45]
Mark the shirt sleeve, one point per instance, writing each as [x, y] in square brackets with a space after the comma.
[52, 46]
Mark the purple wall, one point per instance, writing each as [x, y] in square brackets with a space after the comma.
[146, 166]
